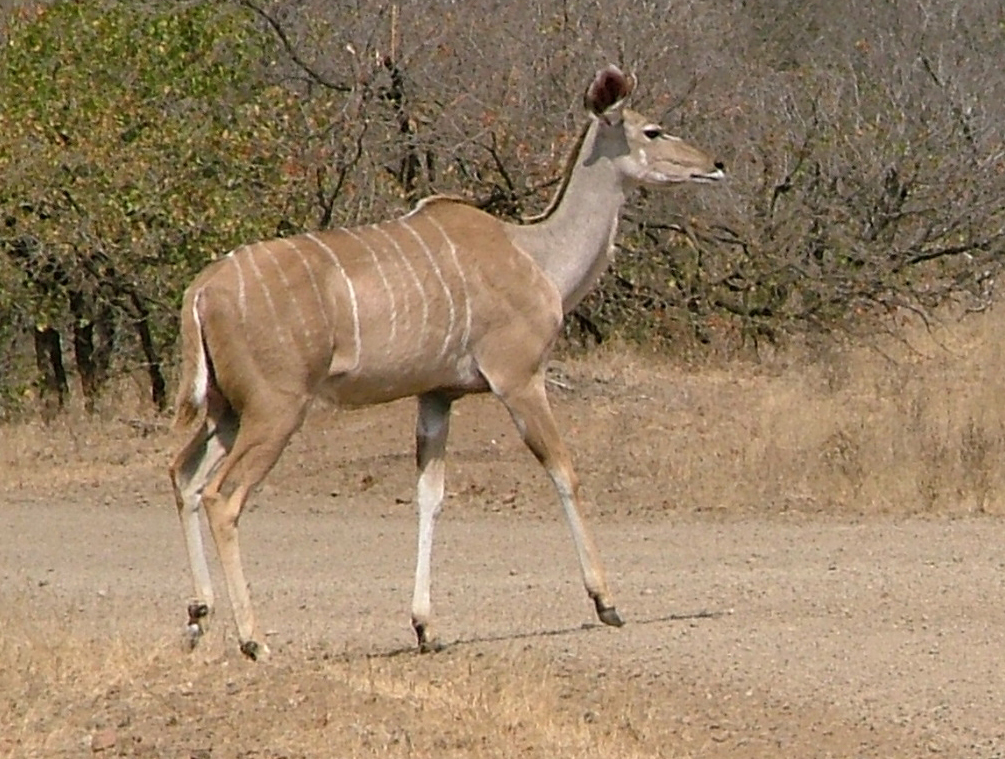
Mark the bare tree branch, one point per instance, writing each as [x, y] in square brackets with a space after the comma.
[291, 49]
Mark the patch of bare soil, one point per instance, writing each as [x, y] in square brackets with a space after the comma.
[807, 555]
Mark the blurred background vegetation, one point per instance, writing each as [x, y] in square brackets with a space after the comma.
[864, 141]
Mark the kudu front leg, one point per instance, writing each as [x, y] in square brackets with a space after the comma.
[431, 429]
[531, 412]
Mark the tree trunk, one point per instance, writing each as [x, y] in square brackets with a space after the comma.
[158, 386]
[92, 346]
[83, 350]
[52, 375]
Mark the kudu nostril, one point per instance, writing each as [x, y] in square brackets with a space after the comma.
[719, 165]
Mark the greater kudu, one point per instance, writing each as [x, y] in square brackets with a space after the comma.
[444, 301]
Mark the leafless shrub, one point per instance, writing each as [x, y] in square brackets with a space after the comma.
[867, 163]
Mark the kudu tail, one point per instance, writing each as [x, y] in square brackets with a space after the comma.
[195, 372]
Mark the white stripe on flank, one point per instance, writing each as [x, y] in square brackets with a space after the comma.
[290, 293]
[446, 290]
[265, 290]
[383, 278]
[464, 284]
[418, 282]
[242, 303]
[352, 297]
[314, 283]
[200, 385]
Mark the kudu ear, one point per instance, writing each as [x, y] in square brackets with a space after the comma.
[608, 90]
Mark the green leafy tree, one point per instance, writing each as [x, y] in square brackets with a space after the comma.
[136, 140]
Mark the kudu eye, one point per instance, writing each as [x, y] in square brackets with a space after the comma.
[652, 132]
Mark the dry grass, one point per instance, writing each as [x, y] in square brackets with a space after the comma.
[907, 424]
[69, 691]
[910, 425]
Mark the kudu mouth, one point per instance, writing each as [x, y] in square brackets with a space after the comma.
[696, 177]
[682, 175]
[709, 177]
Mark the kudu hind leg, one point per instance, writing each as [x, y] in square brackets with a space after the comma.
[261, 440]
[531, 412]
[431, 430]
[190, 471]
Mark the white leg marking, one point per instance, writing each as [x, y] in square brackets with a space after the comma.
[430, 495]
[197, 554]
[357, 346]
[580, 537]
[418, 283]
[464, 284]
[431, 439]
[446, 290]
[383, 278]
[191, 494]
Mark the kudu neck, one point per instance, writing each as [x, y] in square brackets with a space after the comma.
[572, 240]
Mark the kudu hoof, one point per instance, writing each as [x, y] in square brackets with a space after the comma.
[428, 644]
[198, 616]
[609, 615]
[254, 650]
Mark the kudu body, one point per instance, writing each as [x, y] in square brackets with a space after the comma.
[439, 303]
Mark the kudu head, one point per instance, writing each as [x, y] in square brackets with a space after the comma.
[642, 151]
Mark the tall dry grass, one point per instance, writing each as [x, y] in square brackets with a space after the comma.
[908, 419]
[907, 422]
